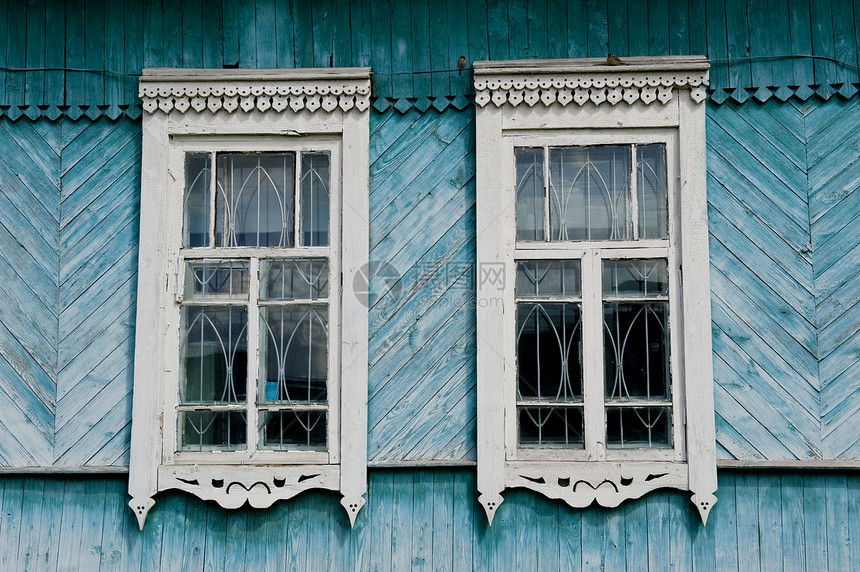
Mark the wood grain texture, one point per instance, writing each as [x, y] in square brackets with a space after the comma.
[29, 261]
[783, 191]
[412, 45]
[421, 520]
[99, 207]
[69, 193]
[421, 346]
[834, 192]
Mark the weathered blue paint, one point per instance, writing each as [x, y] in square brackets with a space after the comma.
[412, 45]
[98, 233]
[784, 249]
[418, 520]
[785, 244]
[421, 340]
[29, 256]
[69, 193]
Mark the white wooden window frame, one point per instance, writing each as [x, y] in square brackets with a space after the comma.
[181, 146]
[542, 103]
[213, 111]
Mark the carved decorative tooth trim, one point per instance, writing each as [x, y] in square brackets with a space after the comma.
[352, 506]
[548, 85]
[169, 91]
[704, 502]
[490, 502]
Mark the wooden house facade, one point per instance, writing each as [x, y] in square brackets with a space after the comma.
[782, 137]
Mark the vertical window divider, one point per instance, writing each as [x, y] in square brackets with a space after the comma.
[592, 341]
[546, 182]
[259, 198]
[213, 194]
[634, 192]
[297, 200]
[253, 353]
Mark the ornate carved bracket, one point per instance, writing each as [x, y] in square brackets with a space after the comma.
[607, 484]
[245, 91]
[560, 82]
[260, 487]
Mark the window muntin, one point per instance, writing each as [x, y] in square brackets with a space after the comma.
[255, 309]
[590, 193]
[625, 402]
[549, 353]
[636, 342]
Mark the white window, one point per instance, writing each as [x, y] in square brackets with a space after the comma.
[251, 350]
[594, 353]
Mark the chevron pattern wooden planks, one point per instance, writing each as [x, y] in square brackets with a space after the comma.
[422, 330]
[68, 267]
[785, 245]
[783, 193]
[29, 261]
[834, 204]
[99, 207]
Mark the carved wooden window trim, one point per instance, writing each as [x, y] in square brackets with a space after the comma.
[555, 103]
[205, 113]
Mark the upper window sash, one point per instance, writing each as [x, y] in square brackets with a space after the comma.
[591, 192]
[551, 201]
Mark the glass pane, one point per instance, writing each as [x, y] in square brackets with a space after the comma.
[305, 279]
[590, 193]
[635, 278]
[198, 180]
[549, 351]
[638, 427]
[530, 194]
[652, 190]
[214, 355]
[212, 430]
[551, 426]
[636, 349]
[293, 430]
[315, 198]
[548, 278]
[294, 353]
[216, 280]
[254, 205]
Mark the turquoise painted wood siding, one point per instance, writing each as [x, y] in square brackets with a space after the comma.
[68, 269]
[429, 520]
[412, 45]
[29, 263]
[421, 394]
[783, 192]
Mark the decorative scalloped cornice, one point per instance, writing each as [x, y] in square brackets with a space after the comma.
[559, 82]
[845, 91]
[218, 91]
